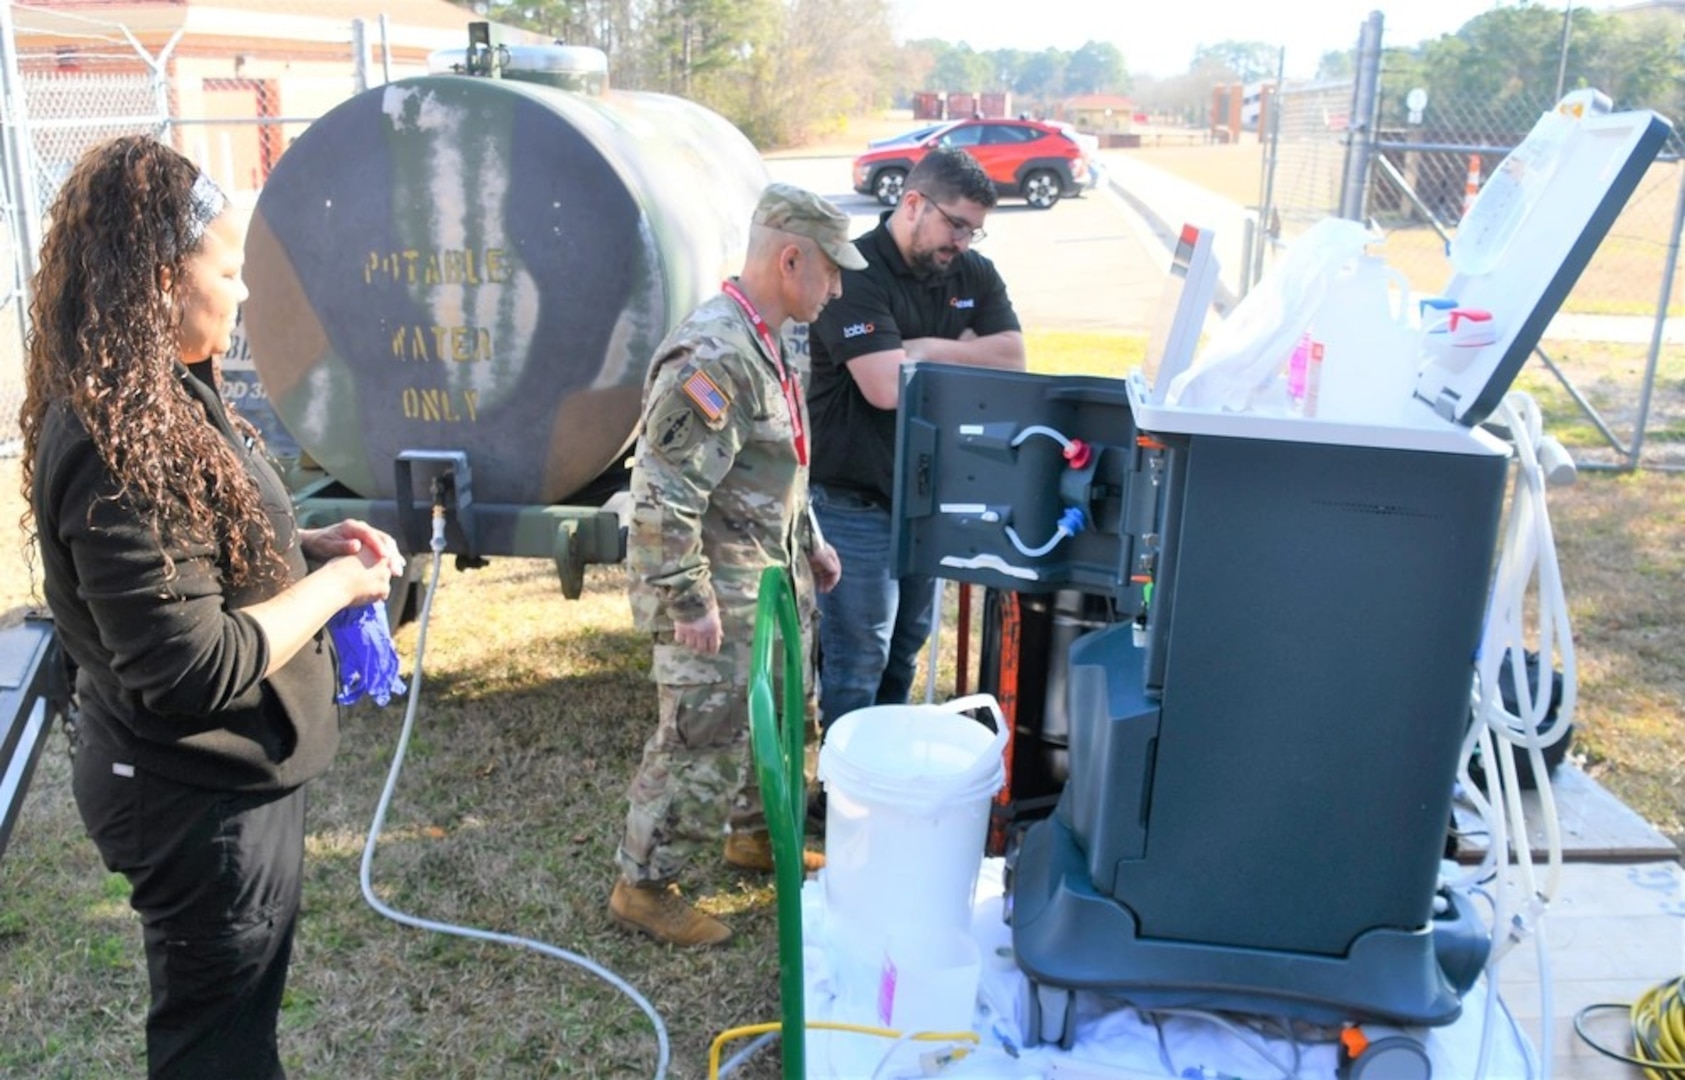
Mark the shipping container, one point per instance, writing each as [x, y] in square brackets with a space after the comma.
[927, 105]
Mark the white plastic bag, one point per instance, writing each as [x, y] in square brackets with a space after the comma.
[1241, 359]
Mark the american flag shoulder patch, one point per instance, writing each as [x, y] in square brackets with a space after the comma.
[706, 394]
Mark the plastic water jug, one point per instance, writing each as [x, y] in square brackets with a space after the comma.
[1367, 372]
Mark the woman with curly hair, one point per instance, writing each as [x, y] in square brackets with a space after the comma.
[180, 588]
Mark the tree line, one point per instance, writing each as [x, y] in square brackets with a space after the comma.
[785, 71]
[781, 70]
[1503, 67]
[1043, 76]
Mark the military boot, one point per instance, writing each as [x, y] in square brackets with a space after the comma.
[753, 851]
[656, 909]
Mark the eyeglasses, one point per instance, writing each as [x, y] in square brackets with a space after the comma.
[963, 229]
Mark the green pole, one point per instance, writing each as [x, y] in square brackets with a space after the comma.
[776, 736]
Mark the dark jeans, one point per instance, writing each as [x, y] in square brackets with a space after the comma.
[216, 877]
[873, 624]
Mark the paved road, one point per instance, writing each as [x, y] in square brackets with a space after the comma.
[1087, 264]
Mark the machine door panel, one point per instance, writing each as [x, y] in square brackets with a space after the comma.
[1031, 483]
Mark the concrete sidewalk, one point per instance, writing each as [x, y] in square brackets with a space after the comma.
[1166, 202]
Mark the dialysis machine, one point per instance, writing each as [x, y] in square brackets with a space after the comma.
[1265, 722]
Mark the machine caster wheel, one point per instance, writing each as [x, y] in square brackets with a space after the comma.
[1396, 1057]
[1053, 1016]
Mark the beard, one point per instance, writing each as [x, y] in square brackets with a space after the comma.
[933, 262]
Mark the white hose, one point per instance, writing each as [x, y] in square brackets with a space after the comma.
[1041, 429]
[1527, 566]
[663, 1050]
[932, 655]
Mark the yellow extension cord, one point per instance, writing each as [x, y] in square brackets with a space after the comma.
[825, 1025]
[1658, 1030]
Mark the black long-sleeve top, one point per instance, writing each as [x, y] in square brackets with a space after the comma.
[170, 671]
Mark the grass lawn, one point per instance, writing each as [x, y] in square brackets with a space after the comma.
[532, 711]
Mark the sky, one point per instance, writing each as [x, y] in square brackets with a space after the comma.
[1159, 38]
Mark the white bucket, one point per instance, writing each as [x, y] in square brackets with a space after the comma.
[907, 791]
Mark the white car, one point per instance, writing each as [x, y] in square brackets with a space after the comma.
[1090, 149]
[916, 135]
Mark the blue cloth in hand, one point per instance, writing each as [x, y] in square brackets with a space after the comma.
[368, 662]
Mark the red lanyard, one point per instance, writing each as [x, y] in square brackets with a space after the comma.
[786, 381]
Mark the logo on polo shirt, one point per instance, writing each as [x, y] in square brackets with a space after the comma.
[962, 302]
[859, 329]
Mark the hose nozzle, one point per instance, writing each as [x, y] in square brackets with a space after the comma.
[440, 489]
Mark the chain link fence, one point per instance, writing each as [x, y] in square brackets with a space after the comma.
[1610, 370]
[59, 104]
[232, 115]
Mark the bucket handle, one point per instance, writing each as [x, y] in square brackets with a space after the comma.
[982, 701]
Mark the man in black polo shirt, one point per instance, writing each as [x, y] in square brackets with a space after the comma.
[925, 295]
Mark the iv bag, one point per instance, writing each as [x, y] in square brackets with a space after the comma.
[1516, 186]
[1507, 196]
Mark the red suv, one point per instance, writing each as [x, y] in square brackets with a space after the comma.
[1023, 157]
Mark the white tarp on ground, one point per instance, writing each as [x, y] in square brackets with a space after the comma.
[1113, 1041]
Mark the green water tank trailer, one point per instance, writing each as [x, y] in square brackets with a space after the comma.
[466, 274]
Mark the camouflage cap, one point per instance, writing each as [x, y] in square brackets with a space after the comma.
[795, 210]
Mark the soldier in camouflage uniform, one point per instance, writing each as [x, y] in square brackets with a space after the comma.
[719, 492]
